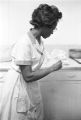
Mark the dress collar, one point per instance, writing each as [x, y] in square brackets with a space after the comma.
[40, 48]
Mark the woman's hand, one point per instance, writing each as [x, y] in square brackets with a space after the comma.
[56, 66]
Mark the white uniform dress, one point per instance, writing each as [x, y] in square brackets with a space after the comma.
[21, 100]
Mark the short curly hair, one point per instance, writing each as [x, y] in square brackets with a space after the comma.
[45, 15]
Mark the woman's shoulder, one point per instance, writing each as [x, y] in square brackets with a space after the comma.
[24, 39]
[21, 44]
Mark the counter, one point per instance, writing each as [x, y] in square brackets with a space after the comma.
[61, 93]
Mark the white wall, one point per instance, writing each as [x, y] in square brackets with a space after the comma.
[15, 16]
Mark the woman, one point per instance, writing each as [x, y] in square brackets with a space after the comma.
[21, 98]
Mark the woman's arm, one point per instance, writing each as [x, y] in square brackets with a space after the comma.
[30, 76]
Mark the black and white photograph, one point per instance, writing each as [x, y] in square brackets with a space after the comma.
[40, 59]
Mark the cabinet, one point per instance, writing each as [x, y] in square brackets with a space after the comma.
[61, 94]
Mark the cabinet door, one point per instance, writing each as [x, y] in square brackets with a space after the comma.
[61, 92]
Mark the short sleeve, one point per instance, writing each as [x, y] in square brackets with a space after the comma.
[22, 52]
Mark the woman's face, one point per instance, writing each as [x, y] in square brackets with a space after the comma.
[47, 31]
